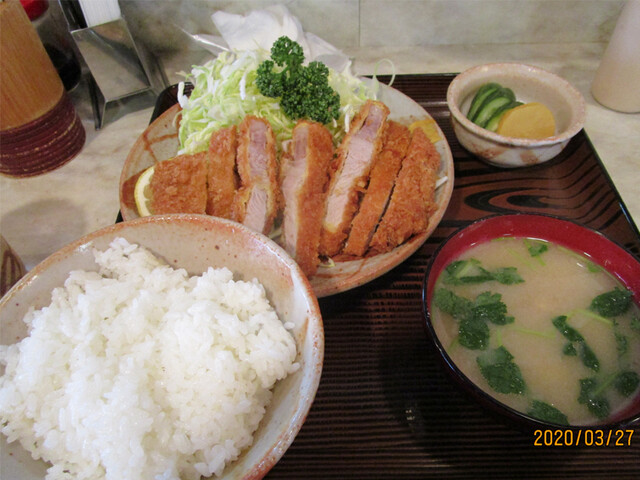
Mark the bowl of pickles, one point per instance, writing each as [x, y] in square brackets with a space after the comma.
[514, 115]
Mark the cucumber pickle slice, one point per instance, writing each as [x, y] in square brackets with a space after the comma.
[481, 95]
[487, 111]
[489, 103]
[493, 122]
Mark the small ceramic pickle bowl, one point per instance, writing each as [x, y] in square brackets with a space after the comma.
[529, 84]
[597, 248]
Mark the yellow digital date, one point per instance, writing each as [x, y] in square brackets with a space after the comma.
[582, 438]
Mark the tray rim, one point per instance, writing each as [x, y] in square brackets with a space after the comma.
[603, 169]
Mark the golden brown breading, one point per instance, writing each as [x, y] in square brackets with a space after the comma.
[179, 185]
[256, 202]
[350, 174]
[222, 179]
[412, 200]
[381, 181]
[305, 172]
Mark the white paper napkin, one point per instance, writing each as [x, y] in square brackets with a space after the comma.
[260, 28]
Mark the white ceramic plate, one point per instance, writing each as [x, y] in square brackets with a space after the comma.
[160, 142]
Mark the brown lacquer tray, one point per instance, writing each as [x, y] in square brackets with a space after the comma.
[385, 408]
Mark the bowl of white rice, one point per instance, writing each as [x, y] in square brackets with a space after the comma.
[167, 347]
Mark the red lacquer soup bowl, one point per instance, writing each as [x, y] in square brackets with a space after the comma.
[615, 259]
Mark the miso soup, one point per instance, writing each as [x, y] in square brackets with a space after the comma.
[541, 329]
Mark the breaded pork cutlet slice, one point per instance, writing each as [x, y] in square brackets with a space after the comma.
[413, 199]
[305, 175]
[179, 185]
[350, 174]
[222, 178]
[256, 201]
[381, 181]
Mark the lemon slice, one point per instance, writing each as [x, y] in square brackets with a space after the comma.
[142, 193]
[428, 126]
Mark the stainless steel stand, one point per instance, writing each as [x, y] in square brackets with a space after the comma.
[120, 67]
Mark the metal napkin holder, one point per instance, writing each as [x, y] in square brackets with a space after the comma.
[120, 68]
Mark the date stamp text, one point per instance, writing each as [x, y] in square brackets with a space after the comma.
[582, 438]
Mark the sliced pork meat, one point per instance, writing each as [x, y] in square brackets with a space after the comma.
[350, 174]
[256, 201]
[222, 179]
[413, 199]
[383, 176]
[179, 185]
[305, 175]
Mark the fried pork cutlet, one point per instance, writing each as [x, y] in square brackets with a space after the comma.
[413, 197]
[256, 201]
[350, 173]
[305, 173]
[222, 179]
[179, 185]
[381, 181]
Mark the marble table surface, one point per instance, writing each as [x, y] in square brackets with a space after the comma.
[38, 215]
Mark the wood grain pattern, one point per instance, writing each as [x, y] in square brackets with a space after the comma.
[39, 127]
[29, 83]
[385, 408]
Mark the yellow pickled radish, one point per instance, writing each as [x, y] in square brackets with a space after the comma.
[531, 120]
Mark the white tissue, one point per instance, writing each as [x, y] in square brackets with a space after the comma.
[97, 12]
[260, 28]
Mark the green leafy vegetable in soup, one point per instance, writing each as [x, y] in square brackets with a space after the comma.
[473, 315]
[456, 306]
[473, 333]
[501, 372]
[471, 271]
[613, 303]
[489, 307]
[626, 383]
[591, 395]
[622, 344]
[577, 344]
[536, 247]
[554, 338]
[593, 391]
[548, 413]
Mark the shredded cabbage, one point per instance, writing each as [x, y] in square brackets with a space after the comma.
[225, 92]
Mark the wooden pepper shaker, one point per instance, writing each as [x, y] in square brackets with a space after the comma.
[39, 127]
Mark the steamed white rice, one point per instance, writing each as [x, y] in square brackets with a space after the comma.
[139, 371]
